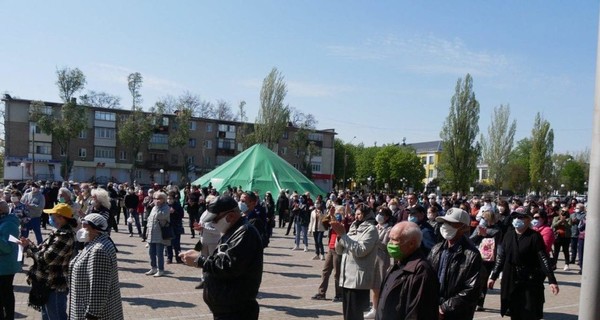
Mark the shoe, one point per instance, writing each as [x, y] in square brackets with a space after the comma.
[336, 299]
[566, 268]
[178, 260]
[305, 249]
[146, 245]
[193, 236]
[200, 285]
[295, 248]
[322, 258]
[131, 235]
[480, 308]
[370, 314]
[160, 273]
[316, 257]
[318, 296]
[143, 240]
[151, 272]
[169, 261]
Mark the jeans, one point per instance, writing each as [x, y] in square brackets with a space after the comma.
[318, 236]
[7, 303]
[156, 253]
[573, 248]
[34, 224]
[580, 252]
[136, 217]
[175, 245]
[56, 307]
[561, 243]
[304, 230]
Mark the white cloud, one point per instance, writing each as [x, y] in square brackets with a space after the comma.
[118, 75]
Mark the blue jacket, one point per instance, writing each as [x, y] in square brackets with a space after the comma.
[9, 225]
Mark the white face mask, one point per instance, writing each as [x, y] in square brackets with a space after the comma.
[380, 218]
[83, 235]
[222, 225]
[393, 207]
[448, 232]
[14, 199]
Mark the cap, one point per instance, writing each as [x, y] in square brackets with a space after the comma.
[96, 221]
[219, 205]
[455, 215]
[61, 209]
[4, 207]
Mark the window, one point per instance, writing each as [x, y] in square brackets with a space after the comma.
[104, 133]
[315, 167]
[285, 135]
[430, 173]
[47, 110]
[192, 125]
[208, 144]
[123, 155]
[138, 174]
[106, 116]
[430, 160]
[316, 151]
[165, 121]
[484, 174]
[159, 139]
[101, 152]
[284, 150]
[226, 144]
[83, 134]
[315, 136]
[36, 129]
[192, 143]
[424, 160]
[207, 161]
[191, 160]
[82, 153]
[209, 127]
[43, 148]
[63, 153]
[226, 128]
[139, 157]
[296, 166]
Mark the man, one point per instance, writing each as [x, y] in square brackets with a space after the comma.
[457, 263]
[412, 202]
[131, 203]
[418, 215]
[410, 288]
[233, 272]
[255, 214]
[193, 208]
[575, 217]
[35, 202]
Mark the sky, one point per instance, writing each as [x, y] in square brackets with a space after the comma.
[380, 71]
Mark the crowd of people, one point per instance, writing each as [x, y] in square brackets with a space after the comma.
[391, 256]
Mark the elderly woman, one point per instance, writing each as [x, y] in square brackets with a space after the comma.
[94, 280]
[101, 202]
[158, 218]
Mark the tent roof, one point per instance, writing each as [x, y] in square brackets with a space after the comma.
[259, 169]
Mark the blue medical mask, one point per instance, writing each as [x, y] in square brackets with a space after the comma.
[518, 223]
[51, 221]
[243, 207]
[413, 219]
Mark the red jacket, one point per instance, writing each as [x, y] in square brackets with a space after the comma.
[547, 235]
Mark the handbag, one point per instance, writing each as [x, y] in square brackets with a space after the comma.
[167, 231]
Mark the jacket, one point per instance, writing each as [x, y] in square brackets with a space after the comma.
[233, 273]
[547, 235]
[561, 227]
[462, 285]
[315, 219]
[94, 282]
[358, 249]
[35, 202]
[9, 225]
[159, 217]
[409, 291]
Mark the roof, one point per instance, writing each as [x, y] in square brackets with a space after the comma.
[427, 147]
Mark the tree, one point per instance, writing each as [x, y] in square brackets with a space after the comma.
[134, 81]
[305, 148]
[273, 115]
[498, 145]
[518, 167]
[179, 137]
[573, 176]
[459, 151]
[363, 159]
[542, 146]
[69, 81]
[223, 111]
[100, 100]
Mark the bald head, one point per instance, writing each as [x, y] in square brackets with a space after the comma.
[407, 235]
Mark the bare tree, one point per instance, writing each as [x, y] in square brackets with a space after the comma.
[134, 80]
[223, 111]
[100, 100]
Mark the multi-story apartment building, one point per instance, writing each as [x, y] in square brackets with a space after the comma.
[99, 156]
[429, 152]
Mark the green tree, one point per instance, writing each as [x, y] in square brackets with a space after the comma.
[518, 167]
[572, 176]
[542, 146]
[69, 82]
[497, 146]
[273, 115]
[459, 150]
[407, 165]
[179, 136]
[364, 167]
[383, 165]
[134, 81]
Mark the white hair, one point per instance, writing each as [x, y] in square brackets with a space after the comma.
[102, 197]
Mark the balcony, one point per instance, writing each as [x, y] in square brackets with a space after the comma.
[158, 146]
[156, 165]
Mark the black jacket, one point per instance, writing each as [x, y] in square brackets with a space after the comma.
[233, 273]
[462, 285]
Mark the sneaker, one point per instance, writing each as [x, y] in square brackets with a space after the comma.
[159, 273]
[337, 299]
[318, 296]
[480, 308]
[295, 248]
[305, 249]
[131, 235]
[146, 245]
[322, 258]
[151, 272]
[370, 314]
[316, 257]
[566, 268]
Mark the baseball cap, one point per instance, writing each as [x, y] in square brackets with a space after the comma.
[96, 221]
[455, 215]
[61, 209]
[219, 205]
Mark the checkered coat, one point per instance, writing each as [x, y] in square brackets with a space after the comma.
[94, 282]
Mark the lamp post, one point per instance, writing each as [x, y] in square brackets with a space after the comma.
[370, 179]
[22, 171]
[346, 161]
[162, 174]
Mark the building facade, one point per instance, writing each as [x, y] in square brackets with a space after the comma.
[98, 155]
[429, 152]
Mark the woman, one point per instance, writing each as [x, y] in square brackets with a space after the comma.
[561, 225]
[487, 237]
[283, 206]
[540, 224]
[9, 266]
[94, 280]
[315, 226]
[50, 269]
[301, 221]
[158, 218]
[269, 205]
[382, 261]
[176, 220]
[101, 203]
[148, 203]
[524, 265]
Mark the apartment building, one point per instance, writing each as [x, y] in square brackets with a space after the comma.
[98, 155]
[429, 152]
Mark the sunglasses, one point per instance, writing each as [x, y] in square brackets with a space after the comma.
[537, 217]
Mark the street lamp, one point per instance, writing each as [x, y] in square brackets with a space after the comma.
[22, 171]
[370, 179]
[162, 173]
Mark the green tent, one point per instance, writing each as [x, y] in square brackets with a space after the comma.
[259, 169]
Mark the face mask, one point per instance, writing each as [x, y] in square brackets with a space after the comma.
[448, 232]
[243, 207]
[501, 209]
[518, 224]
[483, 223]
[83, 235]
[536, 223]
[393, 207]
[301, 200]
[413, 219]
[394, 251]
[222, 225]
[379, 218]
[577, 210]
[14, 199]
[338, 217]
[61, 200]
[51, 221]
